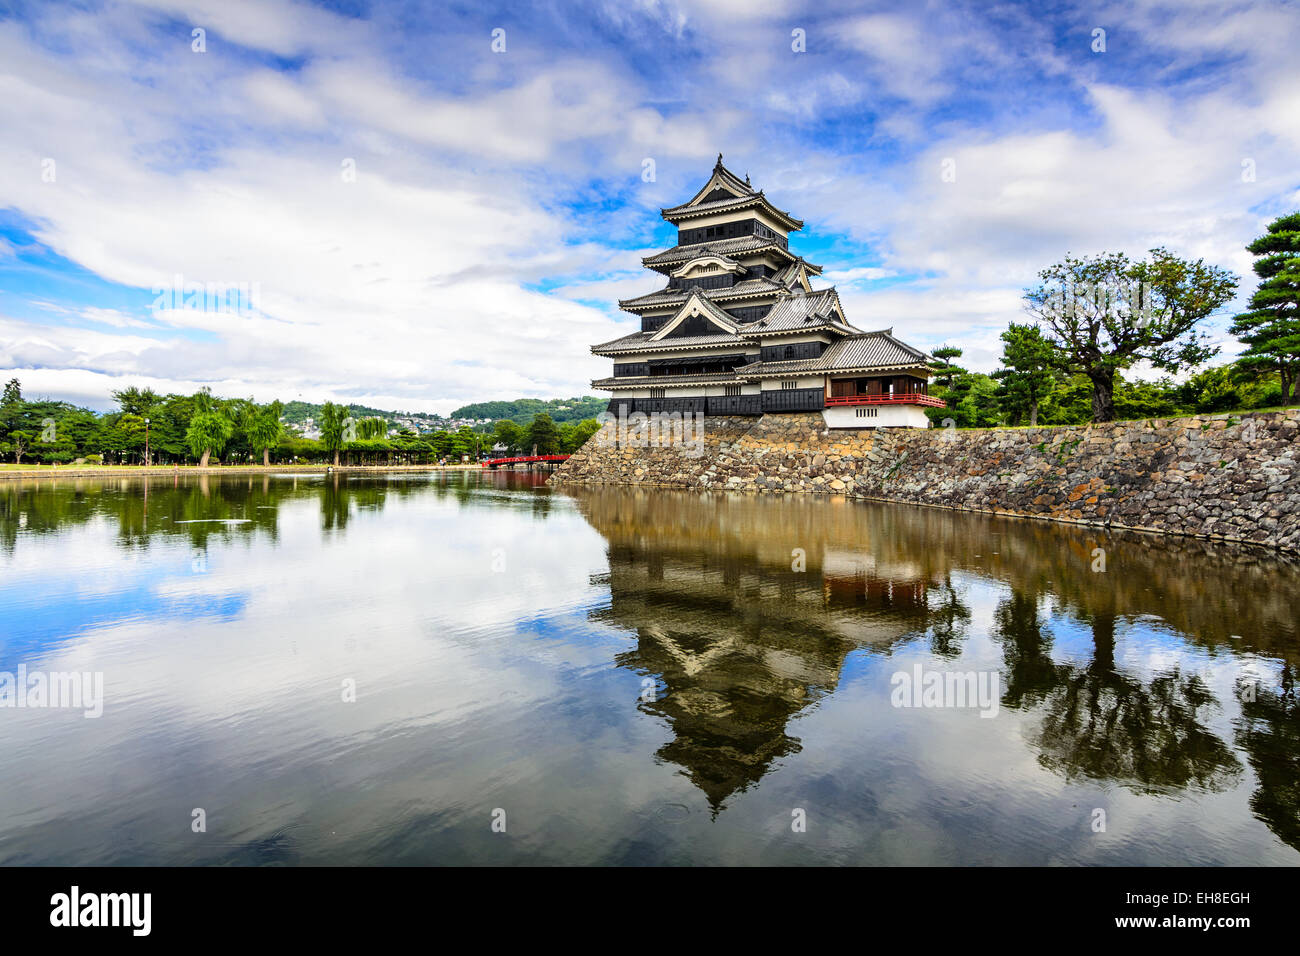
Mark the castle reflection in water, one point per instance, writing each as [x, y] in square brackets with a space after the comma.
[739, 641]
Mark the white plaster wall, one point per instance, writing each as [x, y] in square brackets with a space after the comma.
[887, 416]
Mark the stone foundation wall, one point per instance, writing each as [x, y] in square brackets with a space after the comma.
[1220, 476]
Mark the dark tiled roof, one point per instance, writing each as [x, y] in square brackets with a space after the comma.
[727, 321]
[744, 194]
[722, 205]
[668, 296]
[655, 381]
[865, 350]
[739, 245]
[641, 342]
[727, 179]
[711, 205]
[807, 311]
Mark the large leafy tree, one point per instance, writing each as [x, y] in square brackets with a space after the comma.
[137, 401]
[123, 435]
[264, 428]
[1026, 375]
[20, 442]
[1105, 313]
[576, 435]
[543, 435]
[1271, 329]
[508, 433]
[209, 429]
[332, 418]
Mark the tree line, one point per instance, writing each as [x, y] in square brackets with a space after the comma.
[149, 428]
[1092, 319]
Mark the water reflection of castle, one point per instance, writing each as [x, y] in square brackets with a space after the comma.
[741, 644]
[739, 640]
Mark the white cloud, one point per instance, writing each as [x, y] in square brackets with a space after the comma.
[415, 281]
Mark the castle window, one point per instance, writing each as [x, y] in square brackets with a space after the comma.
[657, 393]
[732, 389]
[789, 383]
[789, 351]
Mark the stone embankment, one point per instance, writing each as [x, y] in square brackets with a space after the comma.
[1231, 477]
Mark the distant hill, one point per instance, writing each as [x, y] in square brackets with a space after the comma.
[295, 413]
[522, 410]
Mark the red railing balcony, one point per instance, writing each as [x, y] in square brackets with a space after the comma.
[913, 398]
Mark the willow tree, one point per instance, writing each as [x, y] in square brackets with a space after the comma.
[372, 429]
[1271, 329]
[264, 429]
[1103, 314]
[209, 428]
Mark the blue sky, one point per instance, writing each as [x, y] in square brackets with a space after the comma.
[423, 221]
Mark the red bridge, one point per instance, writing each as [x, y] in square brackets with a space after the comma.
[524, 459]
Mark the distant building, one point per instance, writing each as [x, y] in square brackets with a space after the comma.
[739, 329]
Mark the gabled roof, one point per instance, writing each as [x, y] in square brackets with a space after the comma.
[865, 351]
[741, 195]
[722, 178]
[725, 263]
[759, 285]
[641, 342]
[799, 312]
[740, 245]
[798, 272]
[697, 303]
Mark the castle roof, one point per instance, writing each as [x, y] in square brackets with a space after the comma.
[725, 192]
[865, 350]
[793, 312]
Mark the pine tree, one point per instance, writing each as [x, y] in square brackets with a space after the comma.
[1271, 330]
[1027, 373]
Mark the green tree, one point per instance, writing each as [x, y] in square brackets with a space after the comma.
[577, 434]
[137, 401]
[209, 429]
[945, 371]
[123, 435]
[1027, 373]
[371, 429]
[12, 407]
[265, 429]
[331, 428]
[1104, 313]
[543, 436]
[1271, 329]
[467, 442]
[507, 432]
[20, 442]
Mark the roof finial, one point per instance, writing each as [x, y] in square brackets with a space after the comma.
[719, 159]
[746, 178]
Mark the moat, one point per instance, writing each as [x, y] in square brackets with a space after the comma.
[348, 669]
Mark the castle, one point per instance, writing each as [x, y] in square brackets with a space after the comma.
[739, 329]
